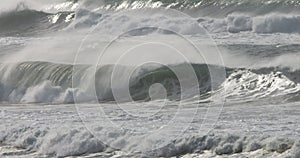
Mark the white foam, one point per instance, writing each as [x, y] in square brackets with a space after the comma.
[245, 85]
[63, 141]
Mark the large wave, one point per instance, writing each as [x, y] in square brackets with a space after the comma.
[41, 82]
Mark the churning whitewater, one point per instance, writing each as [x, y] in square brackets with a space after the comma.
[63, 60]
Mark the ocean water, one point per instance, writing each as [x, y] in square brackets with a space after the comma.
[149, 78]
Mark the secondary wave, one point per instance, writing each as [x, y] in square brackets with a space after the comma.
[271, 23]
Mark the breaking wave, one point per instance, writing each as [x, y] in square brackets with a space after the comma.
[41, 82]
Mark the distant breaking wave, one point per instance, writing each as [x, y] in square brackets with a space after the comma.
[272, 23]
[203, 7]
[216, 16]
